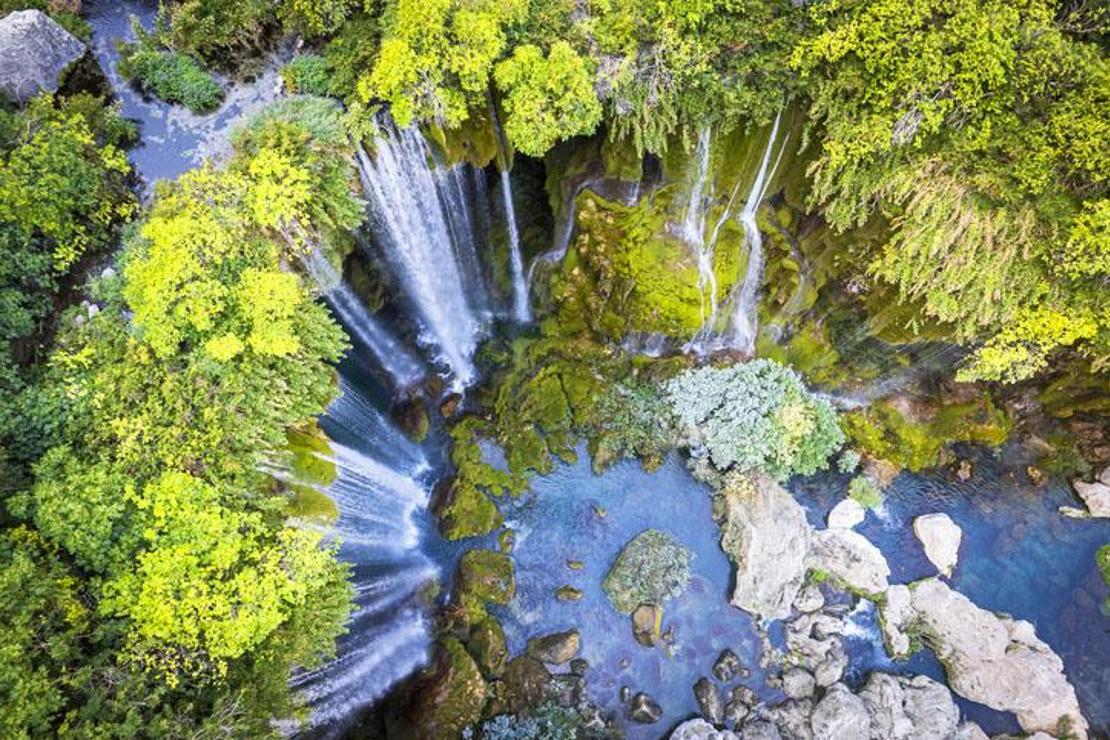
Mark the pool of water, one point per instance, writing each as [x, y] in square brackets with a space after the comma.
[1018, 556]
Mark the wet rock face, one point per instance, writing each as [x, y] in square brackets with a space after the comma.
[940, 537]
[556, 648]
[34, 52]
[767, 537]
[996, 660]
[651, 568]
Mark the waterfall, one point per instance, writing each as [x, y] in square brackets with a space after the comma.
[402, 367]
[745, 315]
[378, 499]
[418, 221]
[693, 230]
[522, 312]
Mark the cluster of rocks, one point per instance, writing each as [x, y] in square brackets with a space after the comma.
[888, 707]
[989, 658]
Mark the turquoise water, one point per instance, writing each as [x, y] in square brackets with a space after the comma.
[1019, 556]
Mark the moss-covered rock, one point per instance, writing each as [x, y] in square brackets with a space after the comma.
[487, 645]
[467, 511]
[485, 576]
[650, 569]
[526, 682]
[443, 700]
[913, 436]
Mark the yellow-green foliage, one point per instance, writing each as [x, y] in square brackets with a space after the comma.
[883, 431]
[468, 510]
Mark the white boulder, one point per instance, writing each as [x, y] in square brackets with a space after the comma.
[846, 514]
[940, 537]
[850, 558]
[34, 52]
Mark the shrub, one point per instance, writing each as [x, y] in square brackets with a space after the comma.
[865, 492]
[170, 75]
[757, 416]
[306, 74]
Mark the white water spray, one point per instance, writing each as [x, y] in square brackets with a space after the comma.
[745, 315]
[522, 312]
[413, 214]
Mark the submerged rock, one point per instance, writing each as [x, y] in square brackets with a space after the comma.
[699, 729]
[568, 593]
[556, 648]
[728, 666]
[650, 569]
[996, 660]
[840, 715]
[644, 709]
[34, 53]
[765, 533]
[846, 514]
[851, 559]
[940, 537]
[709, 701]
[646, 623]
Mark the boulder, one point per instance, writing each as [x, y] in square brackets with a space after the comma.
[996, 660]
[556, 648]
[970, 731]
[851, 559]
[644, 709]
[845, 515]
[443, 699]
[699, 729]
[765, 533]
[647, 620]
[527, 682]
[487, 644]
[798, 683]
[904, 708]
[760, 729]
[831, 669]
[485, 576]
[34, 53]
[940, 537]
[568, 593]
[1095, 495]
[709, 701]
[840, 715]
[897, 613]
[651, 568]
[736, 710]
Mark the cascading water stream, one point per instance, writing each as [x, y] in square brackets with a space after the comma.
[745, 315]
[522, 311]
[377, 496]
[416, 218]
[402, 367]
[693, 227]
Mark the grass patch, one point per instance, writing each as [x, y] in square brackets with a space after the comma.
[170, 76]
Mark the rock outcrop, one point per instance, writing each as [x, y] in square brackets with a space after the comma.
[995, 660]
[897, 618]
[940, 537]
[766, 535]
[846, 514]
[34, 53]
[851, 559]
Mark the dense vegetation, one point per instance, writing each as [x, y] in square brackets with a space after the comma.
[154, 582]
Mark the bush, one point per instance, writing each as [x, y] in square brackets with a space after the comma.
[307, 74]
[170, 76]
[753, 417]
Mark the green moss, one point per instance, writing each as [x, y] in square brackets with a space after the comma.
[444, 700]
[311, 504]
[1102, 557]
[309, 453]
[487, 645]
[473, 141]
[621, 160]
[484, 576]
[864, 491]
[468, 513]
[885, 433]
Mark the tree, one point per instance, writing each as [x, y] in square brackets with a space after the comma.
[547, 98]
